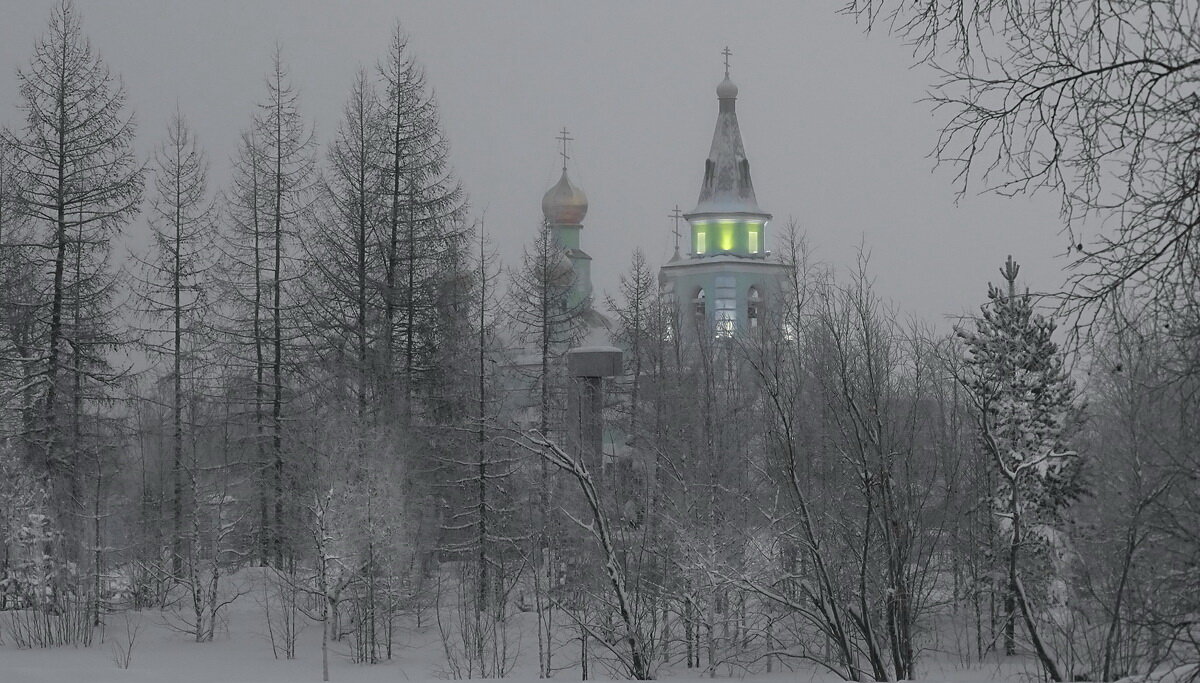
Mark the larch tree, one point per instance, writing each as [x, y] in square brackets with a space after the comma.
[343, 252]
[287, 143]
[243, 293]
[343, 315]
[544, 315]
[79, 184]
[18, 376]
[480, 483]
[273, 178]
[547, 322]
[633, 316]
[173, 288]
[424, 204]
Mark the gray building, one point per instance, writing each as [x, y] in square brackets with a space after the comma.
[728, 282]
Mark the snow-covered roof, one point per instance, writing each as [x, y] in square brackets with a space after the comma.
[727, 187]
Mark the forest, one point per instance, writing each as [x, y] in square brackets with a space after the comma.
[318, 392]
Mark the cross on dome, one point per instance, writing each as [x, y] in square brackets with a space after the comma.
[564, 138]
[564, 204]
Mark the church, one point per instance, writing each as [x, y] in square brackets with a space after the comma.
[728, 281]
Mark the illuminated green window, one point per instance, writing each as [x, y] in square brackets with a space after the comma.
[727, 234]
[701, 240]
[752, 238]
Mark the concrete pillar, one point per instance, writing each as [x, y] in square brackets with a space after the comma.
[588, 366]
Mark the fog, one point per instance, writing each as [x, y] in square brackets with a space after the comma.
[832, 118]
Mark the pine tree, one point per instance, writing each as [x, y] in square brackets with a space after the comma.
[1024, 402]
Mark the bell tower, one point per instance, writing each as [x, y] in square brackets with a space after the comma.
[728, 282]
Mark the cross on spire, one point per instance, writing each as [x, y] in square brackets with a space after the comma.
[676, 214]
[564, 138]
[727, 54]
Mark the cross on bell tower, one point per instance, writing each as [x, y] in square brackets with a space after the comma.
[728, 53]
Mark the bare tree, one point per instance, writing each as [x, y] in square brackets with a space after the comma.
[274, 175]
[79, 183]
[424, 204]
[637, 665]
[637, 288]
[287, 144]
[1131, 536]
[1095, 103]
[479, 489]
[343, 254]
[174, 286]
[19, 302]
[547, 322]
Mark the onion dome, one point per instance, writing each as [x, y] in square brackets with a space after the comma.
[727, 90]
[564, 204]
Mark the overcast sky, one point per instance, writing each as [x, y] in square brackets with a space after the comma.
[832, 120]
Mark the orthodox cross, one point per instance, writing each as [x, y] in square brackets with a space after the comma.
[564, 139]
[727, 54]
[676, 214]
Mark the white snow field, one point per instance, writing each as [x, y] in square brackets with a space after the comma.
[242, 653]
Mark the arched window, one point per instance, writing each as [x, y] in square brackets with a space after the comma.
[699, 313]
[725, 310]
[753, 307]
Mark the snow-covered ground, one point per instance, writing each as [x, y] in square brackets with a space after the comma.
[242, 653]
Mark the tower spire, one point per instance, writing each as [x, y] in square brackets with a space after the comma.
[727, 186]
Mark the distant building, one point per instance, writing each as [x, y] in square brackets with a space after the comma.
[564, 207]
[729, 281]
